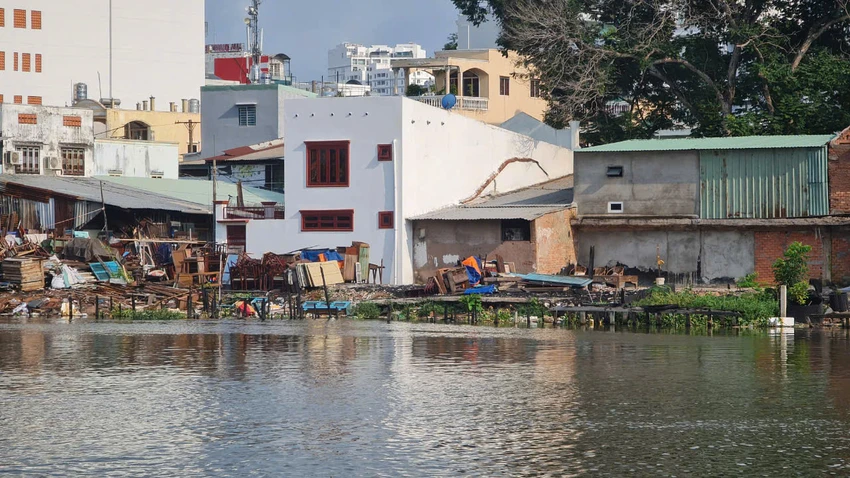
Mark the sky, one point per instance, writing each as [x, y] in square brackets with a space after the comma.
[305, 30]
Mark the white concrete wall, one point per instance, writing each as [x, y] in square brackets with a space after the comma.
[49, 132]
[366, 122]
[157, 50]
[440, 159]
[137, 159]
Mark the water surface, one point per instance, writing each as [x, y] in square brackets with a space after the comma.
[348, 398]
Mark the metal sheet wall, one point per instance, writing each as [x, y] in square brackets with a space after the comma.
[32, 214]
[768, 183]
[85, 211]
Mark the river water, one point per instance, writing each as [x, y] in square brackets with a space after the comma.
[350, 398]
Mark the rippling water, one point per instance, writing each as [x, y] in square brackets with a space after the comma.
[346, 398]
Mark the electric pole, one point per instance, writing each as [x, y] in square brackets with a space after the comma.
[190, 125]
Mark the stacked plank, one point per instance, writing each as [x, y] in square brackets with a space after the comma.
[28, 274]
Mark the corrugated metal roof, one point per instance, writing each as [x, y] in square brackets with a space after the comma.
[195, 191]
[528, 203]
[117, 195]
[695, 144]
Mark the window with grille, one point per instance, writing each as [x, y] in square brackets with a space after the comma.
[73, 161]
[2, 17]
[38, 62]
[327, 164]
[535, 88]
[386, 220]
[35, 19]
[33, 100]
[1, 98]
[340, 220]
[19, 100]
[504, 85]
[15, 61]
[30, 160]
[20, 18]
[26, 62]
[72, 121]
[2, 60]
[26, 118]
[247, 115]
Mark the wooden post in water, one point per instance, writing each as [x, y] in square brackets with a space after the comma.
[70, 308]
[783, 301]
[96, 308]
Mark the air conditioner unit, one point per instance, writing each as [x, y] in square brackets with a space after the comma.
[53, 163]
[13, 158]
[116, 172]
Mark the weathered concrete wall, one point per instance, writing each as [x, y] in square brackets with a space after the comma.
[137, 159]
[443, 243]
[723, 254]
[553, 241]
[653, 183]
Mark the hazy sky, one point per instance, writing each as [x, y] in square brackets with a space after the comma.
[306, 30]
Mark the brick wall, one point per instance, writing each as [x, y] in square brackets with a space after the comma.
[840, 257]
[554, 242]
[839, 174]
[770, 245]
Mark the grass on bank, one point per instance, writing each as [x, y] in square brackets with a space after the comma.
[755, 307]
[157, 314]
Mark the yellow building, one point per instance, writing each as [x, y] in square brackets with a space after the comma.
[180, 127]
[493, 89]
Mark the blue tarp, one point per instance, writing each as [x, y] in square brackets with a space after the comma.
[483, 289]
[571, 281]
[313, 255]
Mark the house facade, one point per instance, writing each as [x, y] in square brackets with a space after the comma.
[359, 169]
[488, 85]
[238, 115]
[713, 209]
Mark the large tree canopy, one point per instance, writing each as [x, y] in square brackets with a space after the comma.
[724, 67]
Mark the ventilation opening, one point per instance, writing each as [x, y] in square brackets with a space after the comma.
[615, 207]
[615, 171]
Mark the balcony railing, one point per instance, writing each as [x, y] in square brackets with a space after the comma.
[468, 103]
[253, 212]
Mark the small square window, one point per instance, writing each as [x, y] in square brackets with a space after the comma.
[516, 230]
[386, 220]
[385, 152]
[504, 85]
[247, 115]
[615, 207]
[615, 172]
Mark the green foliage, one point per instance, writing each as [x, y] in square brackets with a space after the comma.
[154, 314]
[430, 309]
[416, 90]
[367, 310]
[793, 266]
[799, 293]
[755, 308]
[451, 42]
[532, 308]
[750, 281]
[472, 302]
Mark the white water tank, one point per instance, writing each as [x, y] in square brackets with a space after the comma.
[194, 105]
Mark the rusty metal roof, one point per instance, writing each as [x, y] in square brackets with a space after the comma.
[697, 144]
[528, 203]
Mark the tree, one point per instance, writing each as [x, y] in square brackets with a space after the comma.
[451, 43]
[416, 90]
[726, 67]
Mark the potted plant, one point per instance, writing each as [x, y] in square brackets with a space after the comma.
[792, 271]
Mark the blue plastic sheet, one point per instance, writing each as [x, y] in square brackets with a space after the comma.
[313, 255]
[482, 289]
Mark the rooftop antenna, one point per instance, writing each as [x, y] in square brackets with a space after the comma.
[255, 45]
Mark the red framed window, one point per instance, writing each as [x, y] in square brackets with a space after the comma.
[385, 152]
[338, 220]
[328, 163]
[386, 220]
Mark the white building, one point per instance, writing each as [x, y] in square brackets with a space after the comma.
[357, 169]
[370, 65]
[121, 49]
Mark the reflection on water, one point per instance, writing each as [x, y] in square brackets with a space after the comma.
[352, 398]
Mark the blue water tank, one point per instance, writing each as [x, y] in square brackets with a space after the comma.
[449, 101]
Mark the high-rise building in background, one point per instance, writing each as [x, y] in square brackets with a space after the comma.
[117, 49]
[370, 65]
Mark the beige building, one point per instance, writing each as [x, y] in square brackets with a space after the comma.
[146, 124]
[488, 85]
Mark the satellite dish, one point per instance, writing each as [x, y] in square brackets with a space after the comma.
[449, 101]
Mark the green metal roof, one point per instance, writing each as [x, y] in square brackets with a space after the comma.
[195, 190]
[271, 86]
[697, 144]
